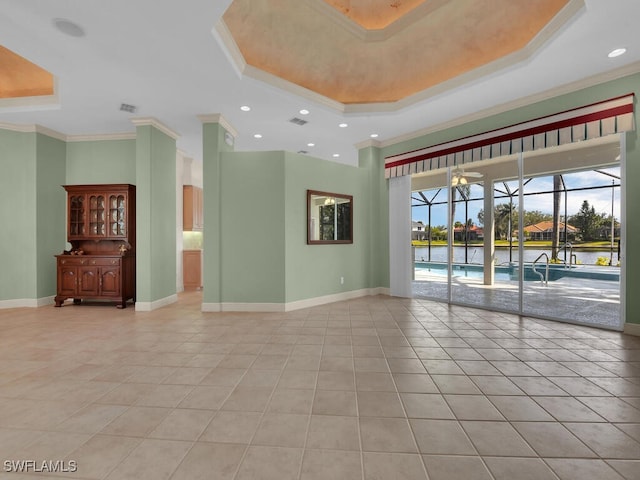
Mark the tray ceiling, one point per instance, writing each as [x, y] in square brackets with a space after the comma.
[375, 51]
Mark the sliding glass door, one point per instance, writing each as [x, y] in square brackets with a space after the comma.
[535, 234]
[572, 239]
[429, 242]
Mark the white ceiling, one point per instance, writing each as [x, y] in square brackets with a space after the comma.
[164, 57]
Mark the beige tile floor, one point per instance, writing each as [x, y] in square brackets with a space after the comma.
[374, 388]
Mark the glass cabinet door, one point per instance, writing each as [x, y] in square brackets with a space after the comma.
[117, 220]
[96, 215]
[76, 215]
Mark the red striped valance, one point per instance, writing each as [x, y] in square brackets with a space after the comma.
[583, 123]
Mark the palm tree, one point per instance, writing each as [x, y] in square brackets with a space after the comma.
[503, 219]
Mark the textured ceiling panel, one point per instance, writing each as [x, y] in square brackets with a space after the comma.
[297, 41]
[21, 78]
[374, 14]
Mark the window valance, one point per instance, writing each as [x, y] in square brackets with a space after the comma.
[584, 123]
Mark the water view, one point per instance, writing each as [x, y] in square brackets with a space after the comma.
[475, 254]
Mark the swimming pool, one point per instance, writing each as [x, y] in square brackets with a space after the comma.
[464, 270]
[510, 272]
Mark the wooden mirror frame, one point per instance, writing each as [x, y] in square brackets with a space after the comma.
[339, 229]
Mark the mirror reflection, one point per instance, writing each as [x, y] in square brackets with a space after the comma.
[330, 217]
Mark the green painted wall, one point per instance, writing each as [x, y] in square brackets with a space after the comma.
[155, 214]
[163, 215]
[315, 270]
[144, 254]
[264, 253]
[18, 235]
[253, 227]
[51, 201]
[604, 91]
[101, 161]
[32, 209]
[32, 201]
[371, 159]
[255, 237]
[213, 148]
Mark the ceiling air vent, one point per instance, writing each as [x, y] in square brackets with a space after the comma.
[303, 152]
[298, 121]
[125, 107]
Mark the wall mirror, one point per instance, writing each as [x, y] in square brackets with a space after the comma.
[329, 218]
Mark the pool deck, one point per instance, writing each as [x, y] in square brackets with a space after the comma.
[585, 301]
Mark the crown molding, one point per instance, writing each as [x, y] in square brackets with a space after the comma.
[225, 39]
[33, 128]
[375, 35]
[218, 118]
[479, 73]
[371, 142]
[294, 89]
[568, 88]
[30, 104]
[34, 103]
[100, 137]
[14, 127]
[142, 121]
[50, 133]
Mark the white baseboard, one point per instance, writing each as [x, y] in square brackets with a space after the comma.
[290, 306]
[27, 302]
[336, 297]
[252, 307]
[149, 306]
[44, 301]
[211, 307]
[242, 307]
[19, 303]
[632, 329]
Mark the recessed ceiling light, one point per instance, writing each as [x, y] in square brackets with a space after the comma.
[617, 52]
[68, 27]
[311, 144]
[304, 111]
[336, 155]
[257, 135]
[374, 135]
[245, 108]
[343, 125]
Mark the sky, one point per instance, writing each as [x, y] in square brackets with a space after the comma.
[600, 198]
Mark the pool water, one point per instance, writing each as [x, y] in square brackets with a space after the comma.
[510, 272]
[461, 270]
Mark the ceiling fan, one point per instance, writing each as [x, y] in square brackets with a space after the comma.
[459, 176]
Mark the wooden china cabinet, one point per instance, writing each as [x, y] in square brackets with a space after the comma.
[101, 228]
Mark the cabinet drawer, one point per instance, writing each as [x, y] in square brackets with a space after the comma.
[72, 260]
[105, 261]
